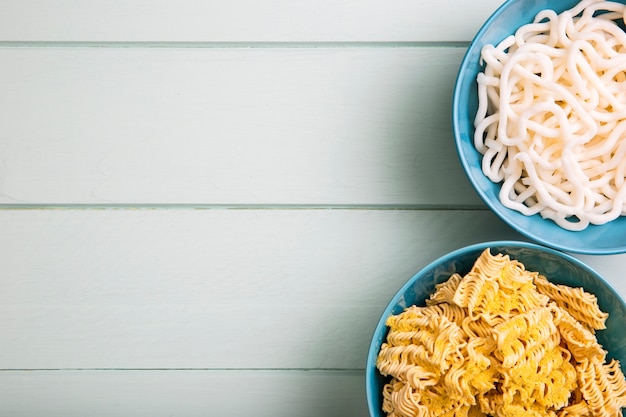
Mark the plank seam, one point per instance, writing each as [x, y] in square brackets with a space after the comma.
[176, 206]
[183, 369]
[234, 45]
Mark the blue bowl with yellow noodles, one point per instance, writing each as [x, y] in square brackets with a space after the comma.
[428, 360]
[597, 238]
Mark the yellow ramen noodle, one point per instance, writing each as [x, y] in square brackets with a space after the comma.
[500, 341]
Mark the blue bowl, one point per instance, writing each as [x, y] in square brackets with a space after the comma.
[556, 266]
[609, 238]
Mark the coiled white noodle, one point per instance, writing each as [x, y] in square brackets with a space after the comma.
[551, 118]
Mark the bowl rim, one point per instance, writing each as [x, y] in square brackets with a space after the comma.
[372, 353]
[495, 206]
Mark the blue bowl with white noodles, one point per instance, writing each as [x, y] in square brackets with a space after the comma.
[539, 120]
[557, 268]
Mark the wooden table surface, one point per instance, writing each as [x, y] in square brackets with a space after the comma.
[206, 205]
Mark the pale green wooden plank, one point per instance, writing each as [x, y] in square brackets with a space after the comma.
[242, 20]
[196, 393]
[211, 288]
[216, 288]
[365, 126]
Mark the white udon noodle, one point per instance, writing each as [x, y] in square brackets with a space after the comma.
[551, 119]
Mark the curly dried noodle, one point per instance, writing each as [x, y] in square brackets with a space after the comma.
[551, 119]
[500, 341]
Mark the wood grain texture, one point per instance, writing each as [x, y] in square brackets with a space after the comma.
[365, 126]
[197, 393]
[241, 20]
